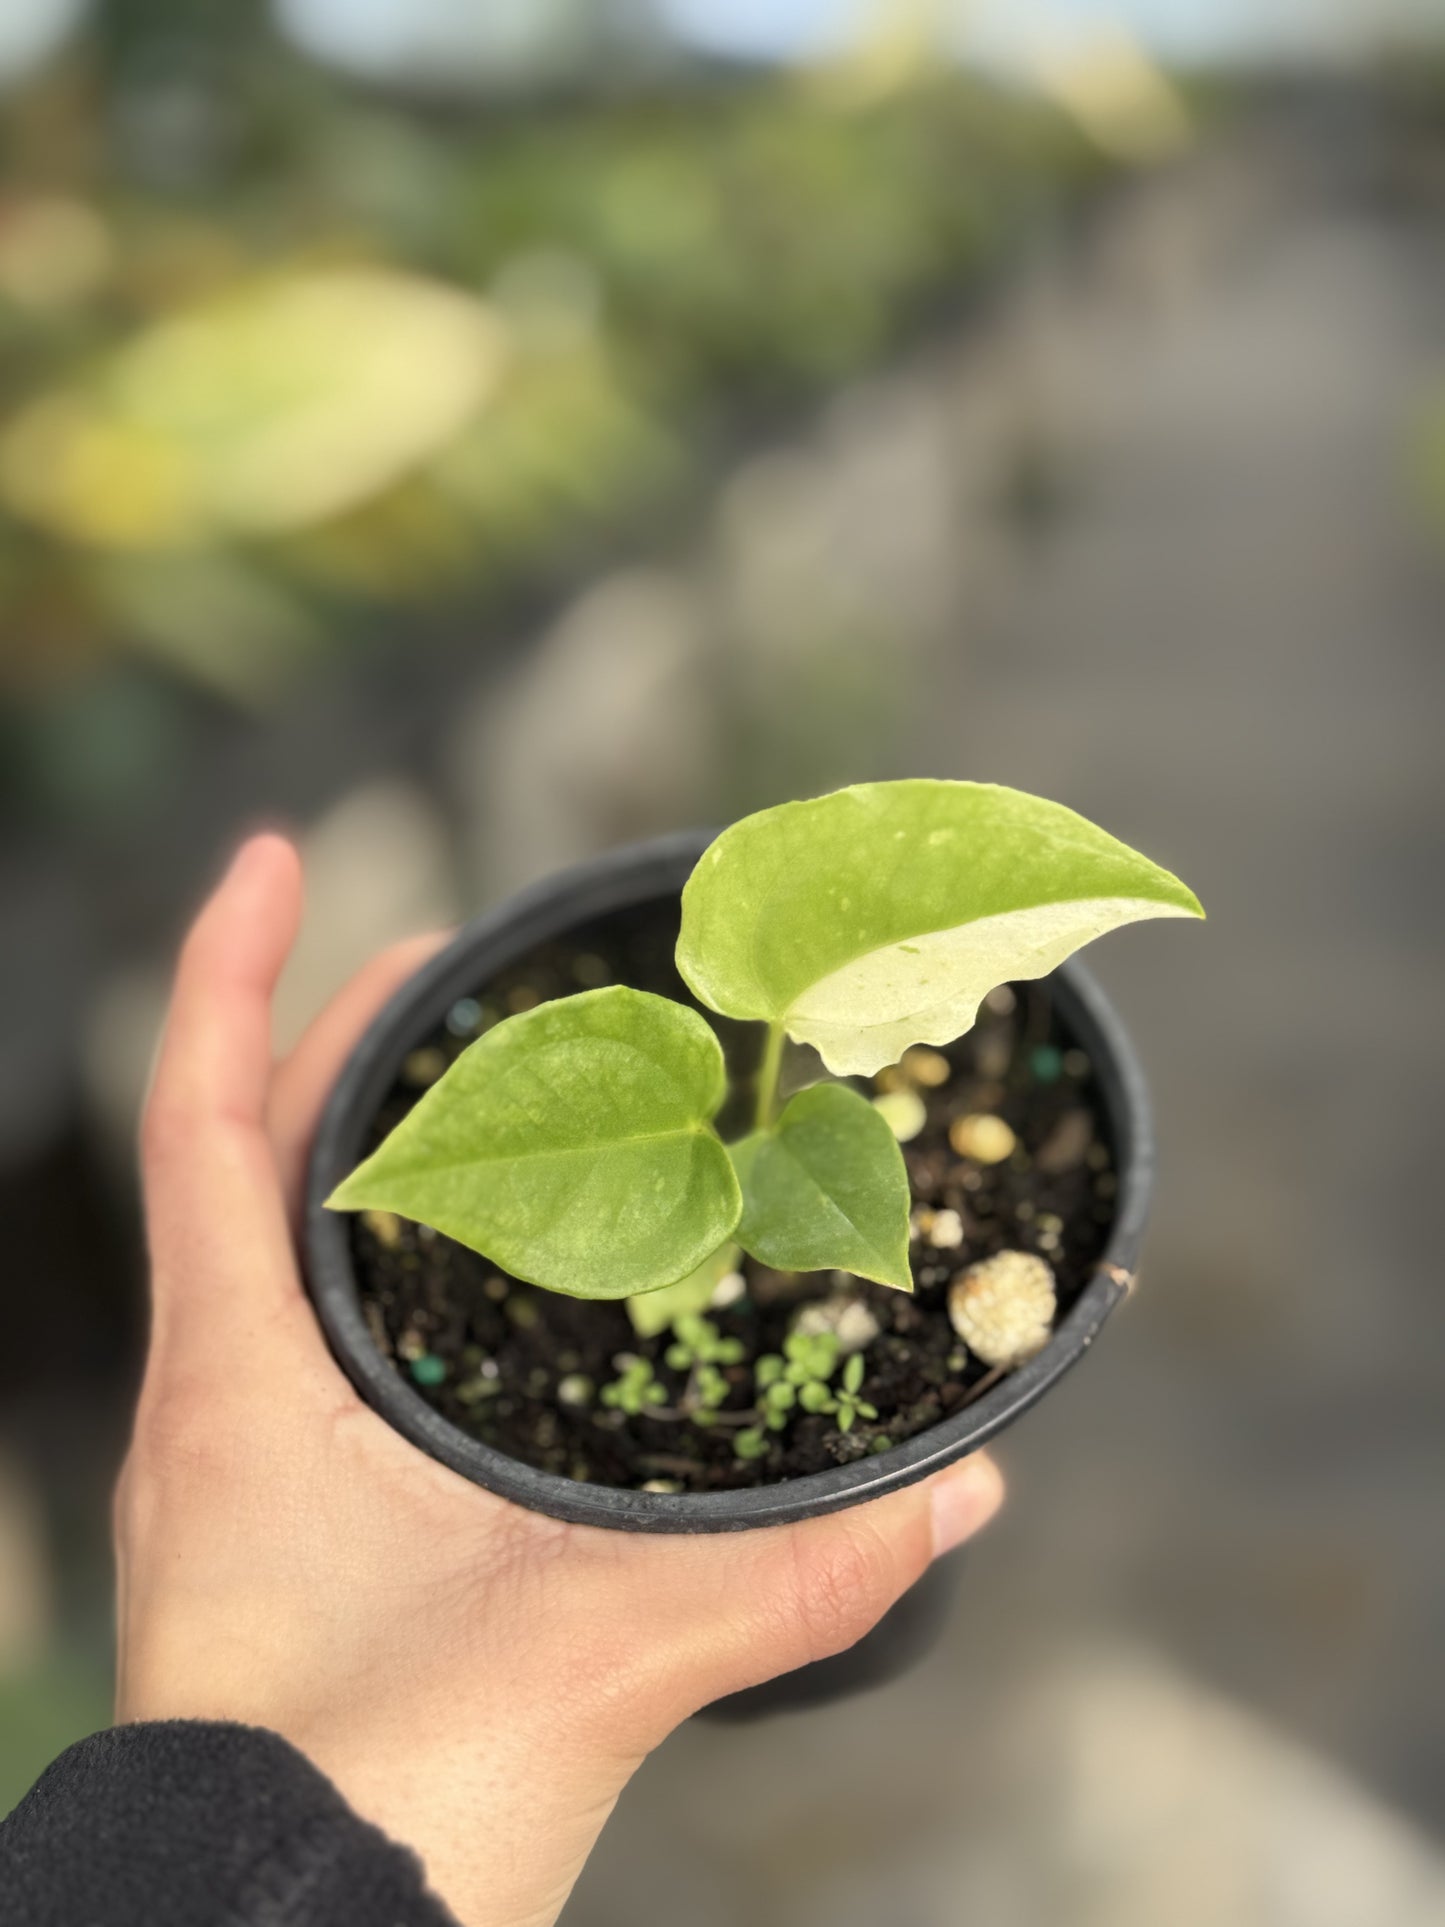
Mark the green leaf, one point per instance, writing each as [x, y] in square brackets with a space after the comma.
[570, 1145]
[826, 1189]
[809, 1355]
[880, 916]
[652, 1312]
[815, 1397]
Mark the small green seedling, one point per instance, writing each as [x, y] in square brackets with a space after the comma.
[699, 1348]
[776, 1404]
[797, 1376]
[707, 1391]
[635, 1390]
[847, 1404]
[696, 1341]
[800, 1376]
[776, 1395]
[809, 1358]
[574, 1145]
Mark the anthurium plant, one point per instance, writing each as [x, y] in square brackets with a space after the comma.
[574, 1145]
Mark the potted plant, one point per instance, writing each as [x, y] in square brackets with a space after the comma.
[720, 1182]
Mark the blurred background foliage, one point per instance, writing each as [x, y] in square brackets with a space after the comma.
[476, 432]
[283, 361]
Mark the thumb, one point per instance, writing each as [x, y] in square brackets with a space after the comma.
[793, 1594]
[220, 1250]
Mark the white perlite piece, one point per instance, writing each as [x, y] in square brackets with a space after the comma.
[1003, 1307]
[946, 1231]
[727, 1291]
[848, 1318]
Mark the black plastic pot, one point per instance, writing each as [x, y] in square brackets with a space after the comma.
[624, 879]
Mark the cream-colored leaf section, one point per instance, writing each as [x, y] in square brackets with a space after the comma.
[927, 989]
[276, 406]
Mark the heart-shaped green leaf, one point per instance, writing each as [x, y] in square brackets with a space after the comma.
[826, 1189]
[570, 1145]
[880, 916]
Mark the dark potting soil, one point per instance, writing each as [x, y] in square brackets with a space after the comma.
[490, 1353]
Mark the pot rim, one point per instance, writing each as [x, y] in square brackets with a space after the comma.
[615, 880]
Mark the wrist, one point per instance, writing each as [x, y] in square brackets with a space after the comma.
[501, 1841]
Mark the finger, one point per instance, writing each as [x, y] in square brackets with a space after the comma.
[213, 1207]
[303, 1081]
[840, 1574]
[215, 1061]
[794, 1594]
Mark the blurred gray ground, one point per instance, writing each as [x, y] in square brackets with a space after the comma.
[1194, 1674]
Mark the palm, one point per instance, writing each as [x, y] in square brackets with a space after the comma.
[287, 1560]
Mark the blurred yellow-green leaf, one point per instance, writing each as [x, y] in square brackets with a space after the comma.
[275, 408]
[376, 358]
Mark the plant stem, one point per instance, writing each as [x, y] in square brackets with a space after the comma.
[768, 1078]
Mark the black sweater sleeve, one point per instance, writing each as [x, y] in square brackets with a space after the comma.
[186, 1823]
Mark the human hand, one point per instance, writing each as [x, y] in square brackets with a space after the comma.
[479, 1680]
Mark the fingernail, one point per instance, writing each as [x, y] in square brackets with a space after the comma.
[962, 1502]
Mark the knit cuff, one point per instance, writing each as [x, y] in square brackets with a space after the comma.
[192, 1823]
